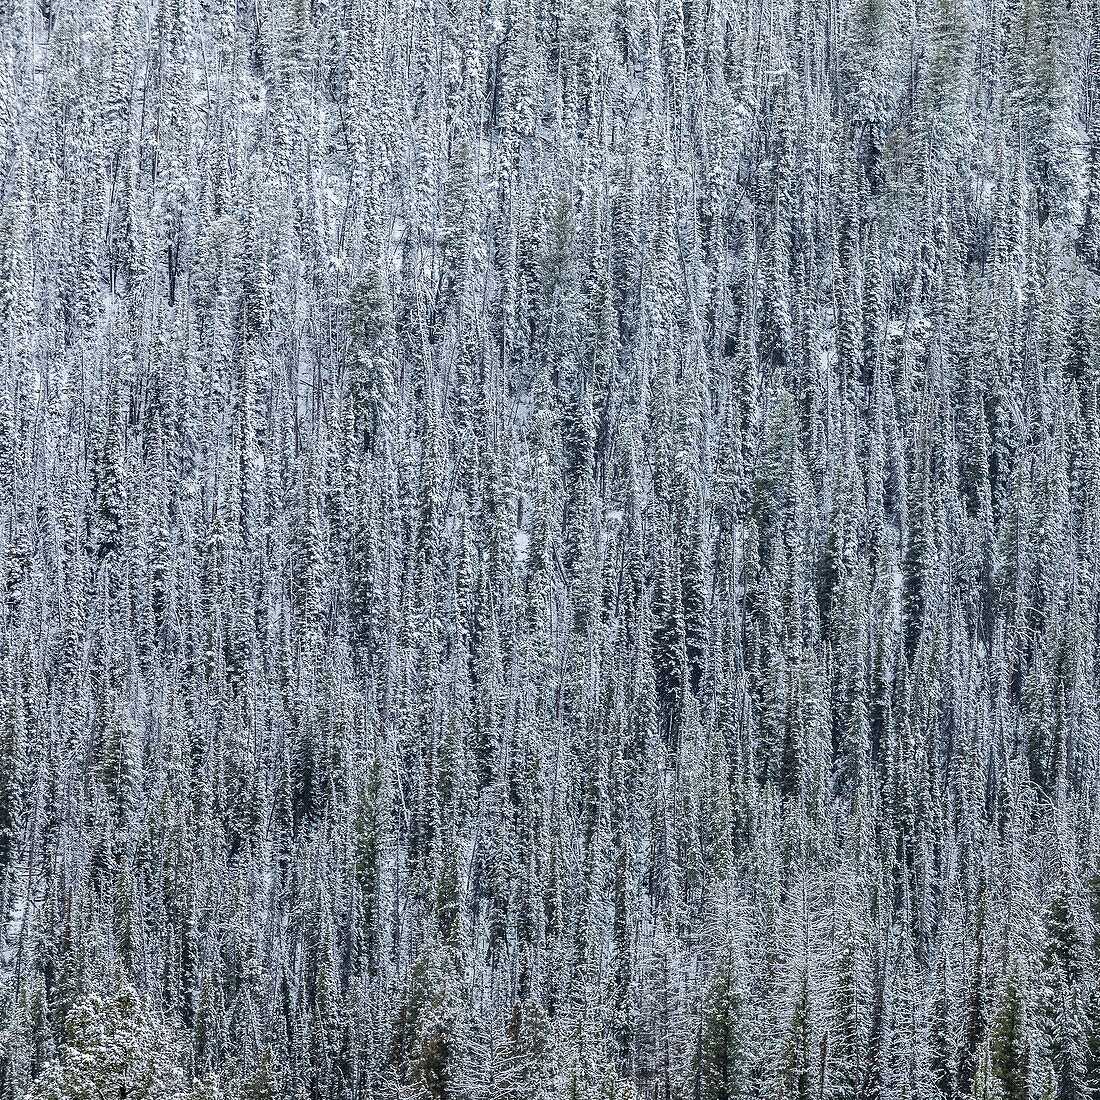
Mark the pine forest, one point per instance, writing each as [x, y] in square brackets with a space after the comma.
[549, 549]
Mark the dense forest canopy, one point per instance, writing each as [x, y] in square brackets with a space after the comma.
[549, 548]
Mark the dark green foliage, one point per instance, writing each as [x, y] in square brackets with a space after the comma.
[1010, 1044]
